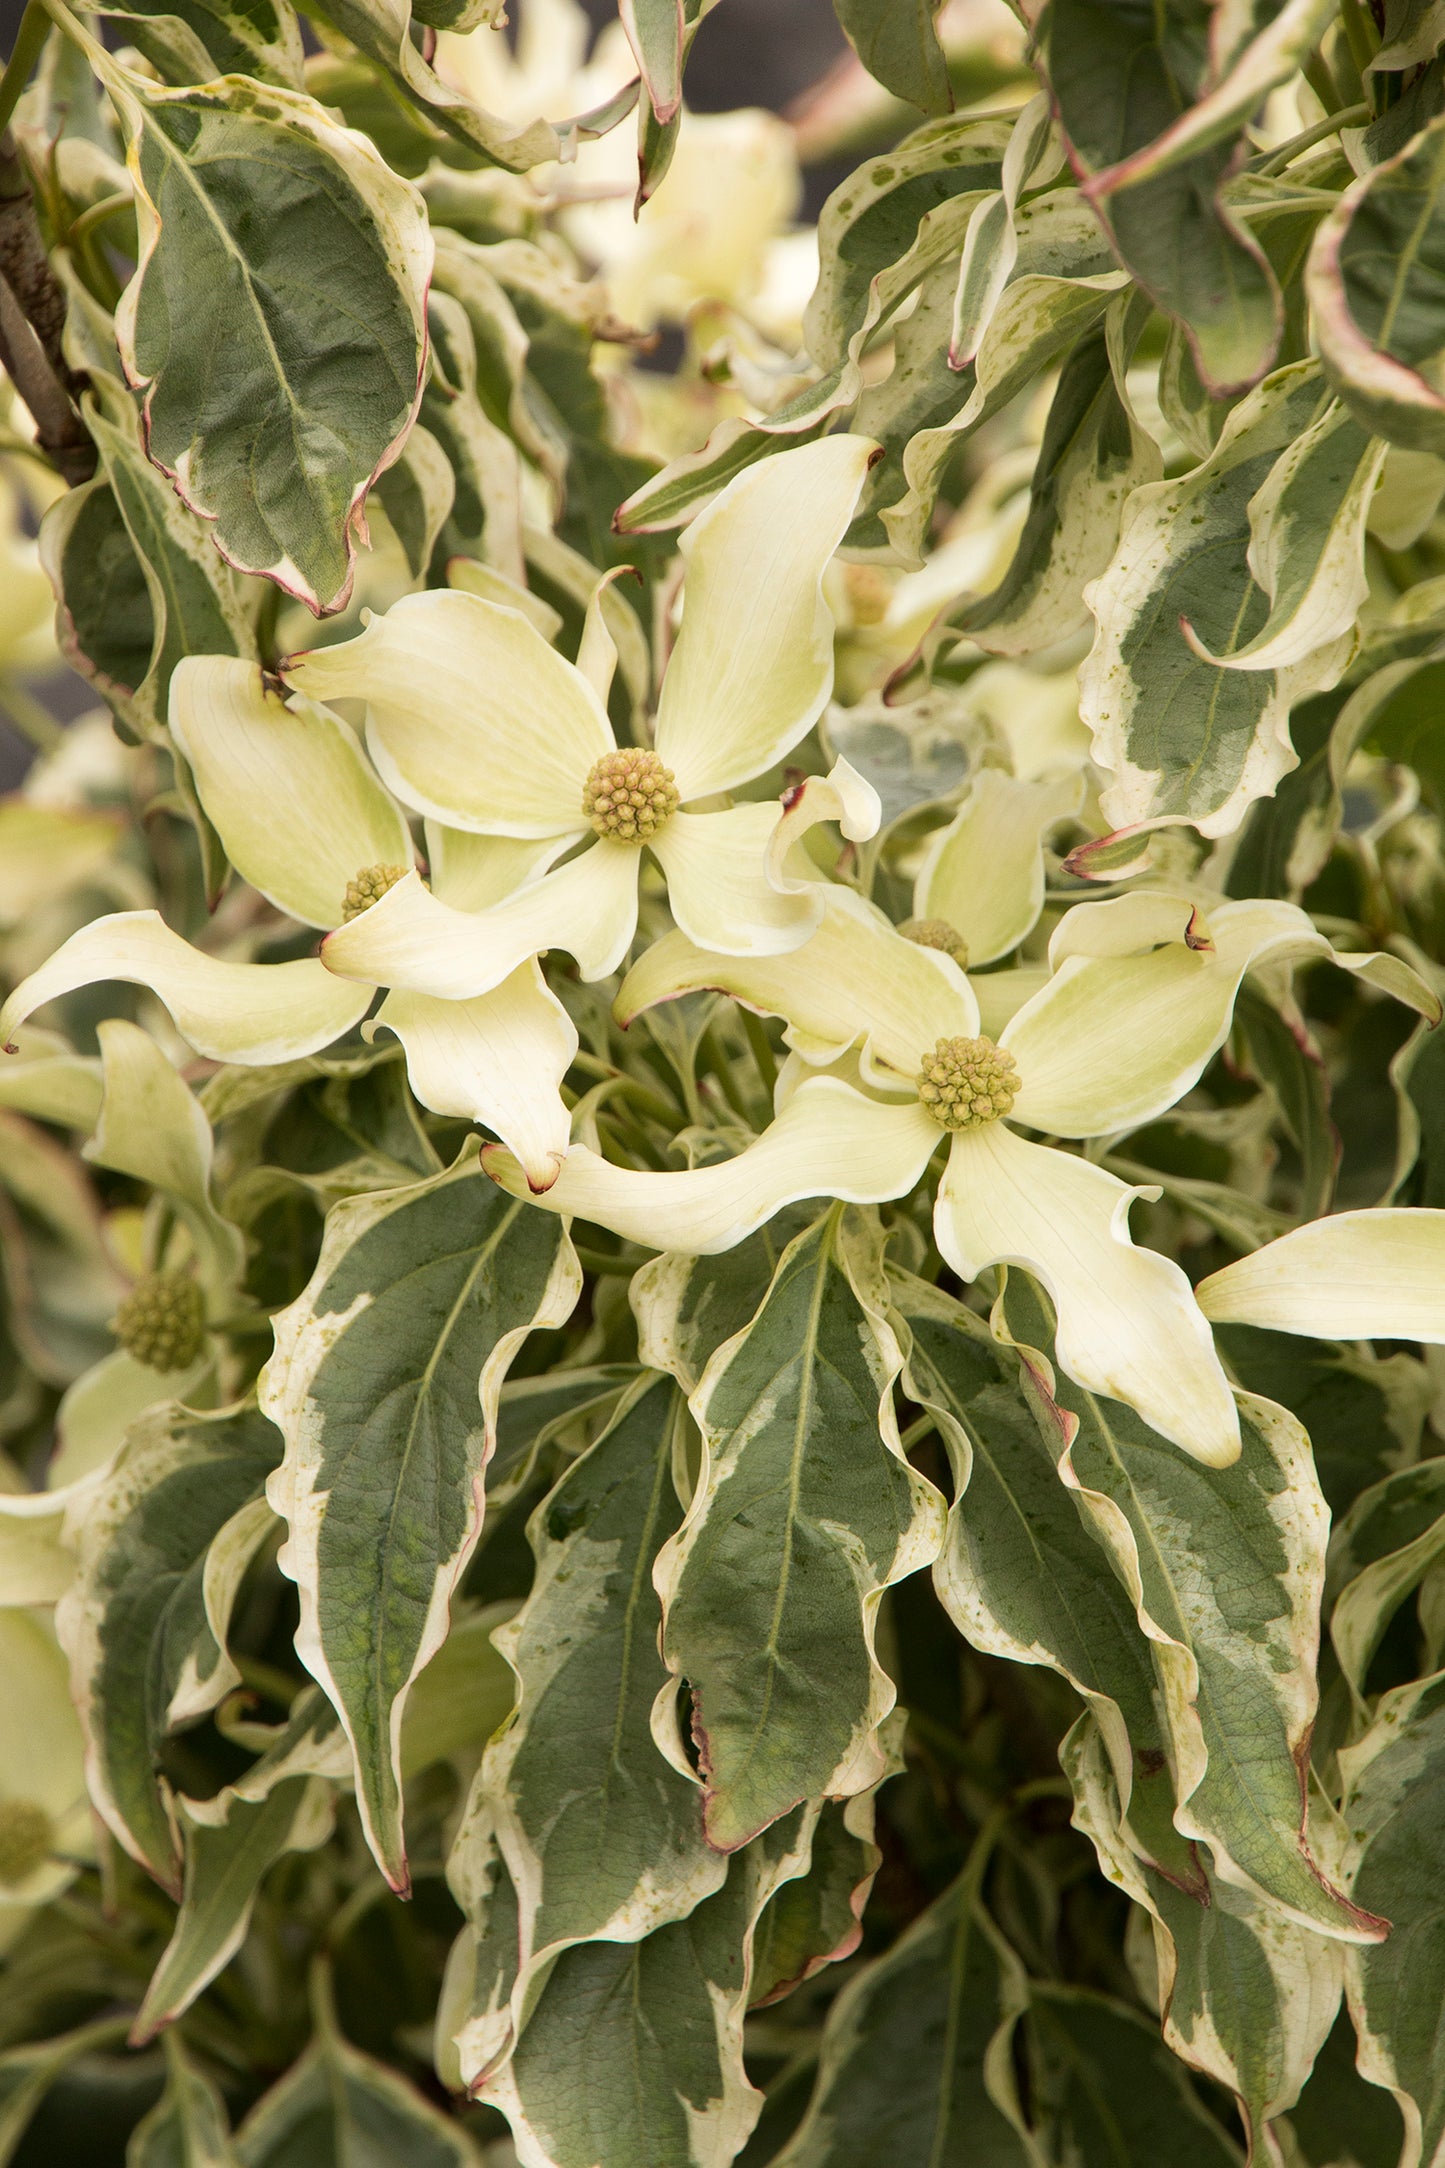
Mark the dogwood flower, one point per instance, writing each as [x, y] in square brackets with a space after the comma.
[1377, 1274]
[45, 1820]
[1140, 996]
[472, 719]
[304, 820]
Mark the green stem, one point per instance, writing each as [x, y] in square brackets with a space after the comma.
[721, 1068]
[1321, 82]
[1360, 37]
[762, 1051]
[108, 207]
[1349, 117]
[29, 45]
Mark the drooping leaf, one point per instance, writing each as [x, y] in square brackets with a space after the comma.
[27, 2073]
[272, 417]
[193, 41]
[1382, 1550]
[633, 2051]
[601, 1836]
[817, 1918]
[1110, 2090]
[188, 2126]
[143, 1625]
[1183, 738]
[1233, 1644]
[941, 2005]
[1394, 1862]
[805, 1509]
[898, 45]
[1373, 284]
[384, 1384]
[1364, 1413]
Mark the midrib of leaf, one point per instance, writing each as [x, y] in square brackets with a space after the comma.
[641, 1565]
[957, 1972]
[424, 1385]
[795, 1481]
[1406, 264]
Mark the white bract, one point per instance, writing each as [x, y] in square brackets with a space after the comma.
[1140, 996]
[478, 724]
[45, 1819]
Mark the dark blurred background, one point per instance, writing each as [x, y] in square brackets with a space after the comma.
[748, 52]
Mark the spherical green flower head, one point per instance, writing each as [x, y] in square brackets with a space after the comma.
[27, 1838]
[368, 887]
[629, 795]
[162, 1323]
[966, 1082]
[937, 933]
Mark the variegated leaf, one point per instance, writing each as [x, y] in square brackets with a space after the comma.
[286, 1803]
[193, 41]
[898, 45]
[1382, 1550]
[1247, 1998]
[805, 1510]
[602, 1837]
[188, 2126]
[384, 1384]
[633, 2051]
[1225, 1568]
[817, 1918]
[1093, 455]
[916, 2065]
[1107, 2088]
[273, 420]
[144, 1623]
[1185, 739]
[1394, 1861]
[1373, 283]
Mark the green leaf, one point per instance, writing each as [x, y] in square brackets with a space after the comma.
[1364, 1413]
[1395, 1859]
[655, 31]
[337, 2104]
[602, 1837]
[188, 2126]
[633, 2051]
[1111, 2091]
[916, 2063]
[192, 41]
[1373, 284]
[686, 1307]
[1225, 1567]
[1093, 455]
[817, 1918]
[805, 1510]
[285, 1803]
[273, 418]
[1382, 1550]
[27, 2073]
[1293, 1071]
[384, 1384]
[898, 45]
[1247, 1998]
[161, 1544]
[1019, 1573]
[1184, 739]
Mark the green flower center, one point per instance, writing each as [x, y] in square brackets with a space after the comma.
[162, 1323]
[629, 795]
[937, 933]
[367, 888]
[27, 1838]
[967, 1082]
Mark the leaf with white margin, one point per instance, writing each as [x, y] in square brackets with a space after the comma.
[687, 1306]
[285, 1803]
[28, 2072]
[188, 2126]
[1107, 2088]
[942, 2005]
[384, 1384]
[297, 807]
[634, 2050]
[899, 46]
[1094, 454]
[602, 1837]
[1381, 1551]
[1393, 1857]
[272, 421]
[983, 872]
[1246, 1997]
[143, 1630]
[1185, 739]
[1225, 1569]
[152, 1127]
[1307, 543]
[805, 1511]
[255, 1014]
[1377, 1274]
[1373, 285]
[339, 2104]
[817, 1918]
[1019, 1573]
